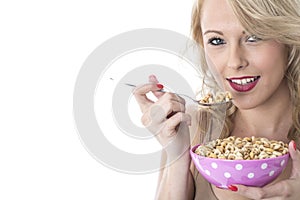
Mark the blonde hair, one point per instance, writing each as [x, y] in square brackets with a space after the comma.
[270, 19]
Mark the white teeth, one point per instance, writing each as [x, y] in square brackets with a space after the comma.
[243, 81]
[238, 81]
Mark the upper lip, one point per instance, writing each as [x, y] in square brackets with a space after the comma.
[243, 79]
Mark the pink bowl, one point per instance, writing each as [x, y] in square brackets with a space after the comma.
[223, 173]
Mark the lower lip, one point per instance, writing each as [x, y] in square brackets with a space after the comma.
[243, 88]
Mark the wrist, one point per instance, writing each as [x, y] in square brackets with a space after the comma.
[182, 160]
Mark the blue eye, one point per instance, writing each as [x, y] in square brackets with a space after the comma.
[253, 38]
[216, 41]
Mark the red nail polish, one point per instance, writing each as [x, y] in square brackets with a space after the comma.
[295, 145]
[232, 188]
[160, 86]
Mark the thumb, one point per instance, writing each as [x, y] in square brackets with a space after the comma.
[295, 156]
[153, 79]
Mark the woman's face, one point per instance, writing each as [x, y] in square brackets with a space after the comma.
[250, 68]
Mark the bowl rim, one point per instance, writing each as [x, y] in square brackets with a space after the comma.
[192, 149]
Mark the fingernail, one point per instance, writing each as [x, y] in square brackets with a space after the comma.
[160, 86]
[294, 145]
[232, 188]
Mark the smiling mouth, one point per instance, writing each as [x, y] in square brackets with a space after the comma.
[243, 84]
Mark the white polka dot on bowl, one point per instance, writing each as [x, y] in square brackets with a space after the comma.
[264, 166]
[214, 165]
[227, 175]
[250, 175]
[239, 167]
[207, 172]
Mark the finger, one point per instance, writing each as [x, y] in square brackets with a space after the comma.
[153, 79]
[173, 122]
[249, 192]
[154, 115]
[177, 134]
[171, 104]
[163, 109]
[295, 156]
[140, 95]
[169, 96]
[280, 189]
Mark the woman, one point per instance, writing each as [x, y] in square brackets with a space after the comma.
[254, 46]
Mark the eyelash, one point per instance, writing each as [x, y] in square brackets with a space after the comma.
[215, 41]
[254, 38]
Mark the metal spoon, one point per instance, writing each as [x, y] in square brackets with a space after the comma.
[184, 95]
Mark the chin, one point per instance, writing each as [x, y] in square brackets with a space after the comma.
[244, 105]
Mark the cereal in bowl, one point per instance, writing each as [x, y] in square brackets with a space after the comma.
[248, 148]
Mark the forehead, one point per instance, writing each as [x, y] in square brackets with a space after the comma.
[217, 14]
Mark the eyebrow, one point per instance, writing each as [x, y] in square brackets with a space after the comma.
[218, 32]
[213, 31]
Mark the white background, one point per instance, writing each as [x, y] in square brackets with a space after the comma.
[42, 47]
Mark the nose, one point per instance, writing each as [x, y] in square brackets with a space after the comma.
[237, 58]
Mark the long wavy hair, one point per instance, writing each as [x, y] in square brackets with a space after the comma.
[270, 19]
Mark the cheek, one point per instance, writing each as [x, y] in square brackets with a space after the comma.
[271, 61]
[214, 59]
[275, 56]
[216, 68]
[214, 65]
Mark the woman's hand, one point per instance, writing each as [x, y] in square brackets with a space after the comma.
[288, 189]
[165, 118]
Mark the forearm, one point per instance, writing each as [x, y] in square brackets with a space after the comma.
[175, 180]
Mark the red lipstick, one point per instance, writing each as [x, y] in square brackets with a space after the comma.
[243, 84]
